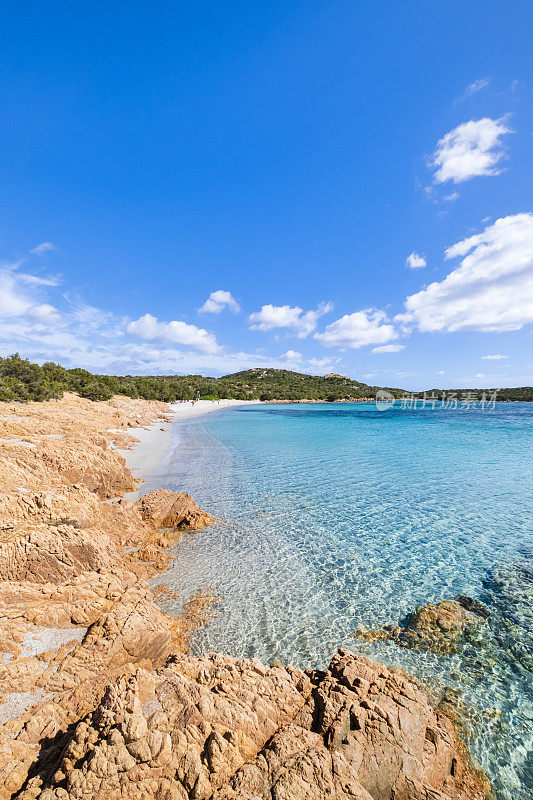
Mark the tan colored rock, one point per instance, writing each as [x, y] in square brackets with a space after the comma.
[215, 727]
[166, 509]
[438, 628]
[52, 554]
[62, 564]
[120, 711]
[81, 454]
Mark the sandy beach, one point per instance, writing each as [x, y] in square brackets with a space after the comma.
[155, 440]
[95, 674]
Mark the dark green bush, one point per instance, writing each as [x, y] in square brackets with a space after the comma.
[95, 391]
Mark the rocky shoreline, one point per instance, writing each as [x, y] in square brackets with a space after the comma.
[98, 697]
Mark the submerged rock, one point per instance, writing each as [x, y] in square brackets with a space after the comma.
[169, 726]
[510, 589]
[220, 728]
[438, 628]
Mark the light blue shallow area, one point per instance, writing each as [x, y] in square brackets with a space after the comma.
[337, 516]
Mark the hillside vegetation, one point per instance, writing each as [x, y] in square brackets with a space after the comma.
[22, 380]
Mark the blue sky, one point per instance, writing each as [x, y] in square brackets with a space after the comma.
[350, 183]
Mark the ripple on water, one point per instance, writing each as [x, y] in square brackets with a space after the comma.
[337, 517]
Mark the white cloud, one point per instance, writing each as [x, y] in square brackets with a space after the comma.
[149, 327]
[13, 299]
[82, 335]
[471, 149]
[496, 357]
[323, 363]
[20, 294]
[450, 198]
[77, 334]
[36, 280]
[90, 318]
[106, 351]
[292, 355]
[414, 261]
[44, 313]
[292, 317]
[473, 88]
[490, 290]
[219, 300]
[42, 248]
[389, 348]
[370, 326]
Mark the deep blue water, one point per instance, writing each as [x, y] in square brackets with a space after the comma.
[337, 516]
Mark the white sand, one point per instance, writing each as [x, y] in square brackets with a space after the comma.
[154, 445]
[41, 640]
[17, 702]
[36, 641]
[17, 441]
[156, 440]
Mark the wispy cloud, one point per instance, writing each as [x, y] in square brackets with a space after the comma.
[21, 294]
[496, 357]
[43, 248]
[323, 363]
[388, 348]
[472, 89]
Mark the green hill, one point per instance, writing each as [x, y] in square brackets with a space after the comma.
[282, 384]
[22, 380]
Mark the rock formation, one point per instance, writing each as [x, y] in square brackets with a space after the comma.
[438, 628]
[75, 609]
[166, 509]
[214, 727]
[98, 698]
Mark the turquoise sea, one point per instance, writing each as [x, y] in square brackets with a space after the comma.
[339, 515]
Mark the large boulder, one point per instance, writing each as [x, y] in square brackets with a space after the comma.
[216, 727]
[166, 509]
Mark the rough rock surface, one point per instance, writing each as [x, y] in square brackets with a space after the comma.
[166, 509]
[51, 554]
[67, 559]
[438, 628]
[119, 710]
[215, 727]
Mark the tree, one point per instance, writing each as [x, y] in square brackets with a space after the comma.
[95, 391]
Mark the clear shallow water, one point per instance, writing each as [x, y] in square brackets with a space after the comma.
[336, 516]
